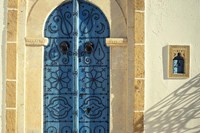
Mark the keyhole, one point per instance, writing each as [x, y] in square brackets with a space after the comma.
[88, 110]
[64, 46]
[88, 47]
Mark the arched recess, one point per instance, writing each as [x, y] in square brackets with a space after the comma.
[38, 13]
[40, 10]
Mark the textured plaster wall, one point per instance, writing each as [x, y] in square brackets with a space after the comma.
[171, 105]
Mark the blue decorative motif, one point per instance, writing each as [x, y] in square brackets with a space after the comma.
[99, 129]
[94, 78]
[66, 109]
[60, 22]
[66, 130]
[59, 79]
[54, 55]
[58, 107]
[87, 24]
[85, 129]
[51, 130]
[92, 107]
[99, 53]
[93, 22]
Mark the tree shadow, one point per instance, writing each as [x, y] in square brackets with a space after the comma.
[179, 112]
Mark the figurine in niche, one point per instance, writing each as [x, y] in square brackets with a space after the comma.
[178, 64]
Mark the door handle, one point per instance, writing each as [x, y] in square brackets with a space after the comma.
[88, 47]
[64, 46]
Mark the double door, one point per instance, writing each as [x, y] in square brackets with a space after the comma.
[76, 70]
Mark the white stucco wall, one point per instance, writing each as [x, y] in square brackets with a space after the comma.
[171, 106]
[2, 63]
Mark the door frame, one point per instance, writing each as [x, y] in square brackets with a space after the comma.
[121, 69]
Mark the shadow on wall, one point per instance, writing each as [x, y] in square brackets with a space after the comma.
[179, 112]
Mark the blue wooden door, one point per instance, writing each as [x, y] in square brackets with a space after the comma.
[76, 101]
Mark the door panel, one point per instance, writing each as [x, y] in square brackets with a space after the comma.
[93, 23]
[59, 23]
[58, 101]
[94, 69]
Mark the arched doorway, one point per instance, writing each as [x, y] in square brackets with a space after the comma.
[76, 84]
